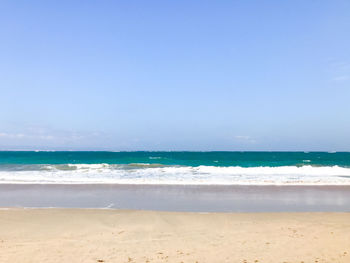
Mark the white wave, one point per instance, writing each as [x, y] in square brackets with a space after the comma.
[89, 166]
[181, 175]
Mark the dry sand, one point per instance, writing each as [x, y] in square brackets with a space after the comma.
[78, 235]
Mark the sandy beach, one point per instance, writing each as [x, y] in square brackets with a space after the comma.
[97, 235]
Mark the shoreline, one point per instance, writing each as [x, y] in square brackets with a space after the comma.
[180, 185]
[95, 235]
[179, 198]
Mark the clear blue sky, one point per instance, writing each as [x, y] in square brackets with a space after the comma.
[175, 75]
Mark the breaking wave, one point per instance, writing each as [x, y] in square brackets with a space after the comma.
[143, 173]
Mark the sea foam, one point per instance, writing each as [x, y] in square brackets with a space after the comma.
[177, 175]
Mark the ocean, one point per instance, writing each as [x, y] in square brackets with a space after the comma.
[175, 168]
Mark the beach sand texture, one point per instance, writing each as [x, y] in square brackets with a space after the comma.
[90, 235]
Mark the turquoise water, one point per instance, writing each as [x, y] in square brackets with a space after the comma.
[175, 167]
[243, 159]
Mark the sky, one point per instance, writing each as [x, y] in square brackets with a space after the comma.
[175, 75]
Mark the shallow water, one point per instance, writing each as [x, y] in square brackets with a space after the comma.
[180, 198]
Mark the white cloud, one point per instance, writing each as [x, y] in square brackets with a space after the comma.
[15, 135]
[340, 71]
[12, 135]
[49, 135]
[245, 138]
[341, 78]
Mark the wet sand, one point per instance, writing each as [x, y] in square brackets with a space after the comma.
[180, 198]
[97, 235]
